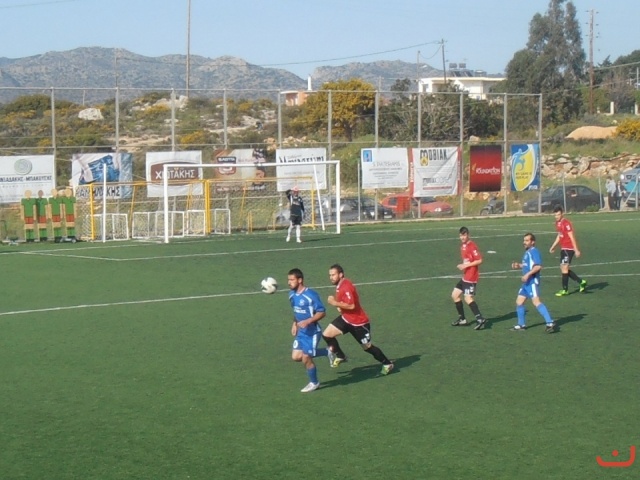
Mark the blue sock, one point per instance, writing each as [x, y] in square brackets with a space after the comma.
[544, 312]
[321, 352]
[313, 374]
[521, 311]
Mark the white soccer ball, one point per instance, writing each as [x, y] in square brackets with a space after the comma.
[269, 285]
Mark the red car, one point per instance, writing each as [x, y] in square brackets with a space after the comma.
[429, 206]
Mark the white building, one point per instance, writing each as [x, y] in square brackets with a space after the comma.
[475, 83]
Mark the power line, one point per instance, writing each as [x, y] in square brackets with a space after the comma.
[37, 4]
[350, 57]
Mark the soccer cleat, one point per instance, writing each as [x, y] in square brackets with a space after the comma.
[310, 387]
[332, 357]
[480, 323]
[288, 239]
[562, 293]
[550, 328]
[460, 322]
[583, 286]
[337, 361]
[299, 241]
[386, 369]
[519, 328]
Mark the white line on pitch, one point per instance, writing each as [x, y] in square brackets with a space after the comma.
[498, 274]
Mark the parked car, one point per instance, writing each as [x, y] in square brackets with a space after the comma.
[578, 198]
[349, 209]
[630, 175]
[427, 206]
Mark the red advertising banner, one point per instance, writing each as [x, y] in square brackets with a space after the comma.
[485, 166]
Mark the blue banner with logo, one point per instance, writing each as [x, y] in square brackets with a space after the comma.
[525, 167]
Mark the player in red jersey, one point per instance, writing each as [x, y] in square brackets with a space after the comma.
[352, 319]
[568, 248]
[471, 260]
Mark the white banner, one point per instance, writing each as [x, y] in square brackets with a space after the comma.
[26, 172]
[180, 177]
[297, 173]
[87, 168]
[384, 167]
[233, 178]
[435, 171]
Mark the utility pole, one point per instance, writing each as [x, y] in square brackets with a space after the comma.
[418, 72]
[444, 67]
[188, 45]
[591, 79]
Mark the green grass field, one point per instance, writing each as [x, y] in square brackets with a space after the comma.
[151, 361]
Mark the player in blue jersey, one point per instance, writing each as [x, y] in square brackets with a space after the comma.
[531, 265]
[308, 310]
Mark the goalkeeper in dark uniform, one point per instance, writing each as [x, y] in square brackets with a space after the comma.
[296, 212]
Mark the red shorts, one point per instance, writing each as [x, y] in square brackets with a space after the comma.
[55, 218]
[70, 218]
[29, 220]
[42, 219]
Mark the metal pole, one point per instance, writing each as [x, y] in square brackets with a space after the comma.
[104, 202]
[505, 153]
[117, 113]
[419, 119]
[461, 115]
[279, 120]
[329, 123]
[540, 143]
[376, 117]
[188, 45]
[53, 123]
[173, 120]
[224, 118]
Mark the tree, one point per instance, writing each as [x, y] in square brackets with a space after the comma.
[553, 63]
[352, 104]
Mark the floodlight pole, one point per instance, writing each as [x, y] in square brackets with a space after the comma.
[188, 45]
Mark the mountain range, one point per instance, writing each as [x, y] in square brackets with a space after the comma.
[93, 72]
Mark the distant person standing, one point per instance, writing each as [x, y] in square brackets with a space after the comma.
[619, 194]
[471, 260]
[610, 186]
[531, 266]
[568, 248]
[296, 212]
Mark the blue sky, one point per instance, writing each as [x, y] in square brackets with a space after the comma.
[299, 35]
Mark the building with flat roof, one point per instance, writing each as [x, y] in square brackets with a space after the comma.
[476, 83]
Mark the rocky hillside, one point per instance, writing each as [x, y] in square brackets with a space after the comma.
[90, 69]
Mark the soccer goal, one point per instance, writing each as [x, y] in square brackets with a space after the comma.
[252, 196]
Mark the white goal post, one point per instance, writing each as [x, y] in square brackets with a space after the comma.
[239, 185]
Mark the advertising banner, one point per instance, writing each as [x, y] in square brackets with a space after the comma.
[298, 172]
[384, 167]
[485, 168]
[88, 168]
[435, 171]
[525, 167]
[181, 178]
[230, 177]
[26, 172]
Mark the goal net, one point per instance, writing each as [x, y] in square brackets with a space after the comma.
[214, 199]
[251, 197]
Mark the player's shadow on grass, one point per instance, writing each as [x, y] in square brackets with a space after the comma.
[501, 318]
[368, 372]
[561, 321]
[593, 287]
